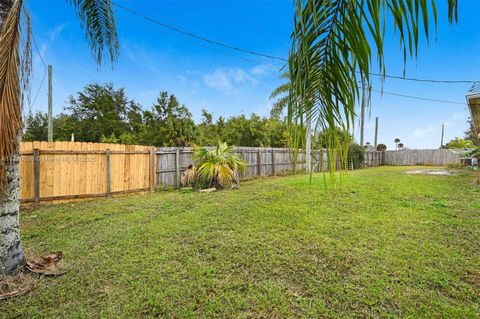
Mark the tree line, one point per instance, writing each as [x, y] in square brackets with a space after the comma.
[470, 139]
[103, 113]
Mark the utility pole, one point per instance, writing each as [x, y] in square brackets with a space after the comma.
[376, 132]
[362, 114]
[50, 116]
[443, 132]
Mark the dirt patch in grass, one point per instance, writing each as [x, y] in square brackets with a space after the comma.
[438, 172]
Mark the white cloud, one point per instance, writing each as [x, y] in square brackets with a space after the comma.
[53, 34]
[142, 57]
[460, 116]
[45, 45]
[422, 132]
[226, 79]
[263, 69]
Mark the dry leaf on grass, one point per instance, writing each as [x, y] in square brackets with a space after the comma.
[13, 286]
[208, 190]
[46, 264]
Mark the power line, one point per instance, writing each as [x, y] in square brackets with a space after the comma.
[228, 46]
[38, 91]
[198, 37]
[419, 98]
[38, 51]
[422, 80]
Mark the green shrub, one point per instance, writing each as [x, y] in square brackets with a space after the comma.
[356, 155]
[218, 167]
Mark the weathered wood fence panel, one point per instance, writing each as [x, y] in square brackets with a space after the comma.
[65, 171]
[374, 158]
[421, 157]
[261, 162]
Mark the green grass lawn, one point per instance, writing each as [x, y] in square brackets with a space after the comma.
[388, 245]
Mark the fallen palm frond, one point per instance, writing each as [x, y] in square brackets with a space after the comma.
[14, 286]
[189, 177]
[47, 264]
[10, 95]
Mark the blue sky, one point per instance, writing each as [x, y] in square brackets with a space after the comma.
[228, 83]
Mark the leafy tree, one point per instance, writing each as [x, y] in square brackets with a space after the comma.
[471, 135]
[381, 147]
[356, 155]
[168, 123]
[277, 132]
[62, 127]
[207, 131]
[36, 127]
[322, 139]
[239, 130]
[100, 110]
[400, 146]
[460, 143]
[98, 21]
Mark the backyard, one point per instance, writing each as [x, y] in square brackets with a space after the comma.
[389, 244]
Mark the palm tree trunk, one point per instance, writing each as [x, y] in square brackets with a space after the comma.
[11, 253]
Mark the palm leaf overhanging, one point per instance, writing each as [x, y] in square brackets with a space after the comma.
[281, 94]
[98, 21]
[331, 54]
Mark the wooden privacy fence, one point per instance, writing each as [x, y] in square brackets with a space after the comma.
[65, 171]
[421, 157]
[261, 162]
[374, 158]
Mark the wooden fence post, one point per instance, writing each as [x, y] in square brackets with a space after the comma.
[245, 172]
[36, 175]
[152, 169]
[177, 168]
[259, 163]
[107, 159]
[273, 162]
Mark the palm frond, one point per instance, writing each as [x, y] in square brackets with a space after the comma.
[278, 107]
[10, 96]
[217, 167]
[282, 89]
[98, 21]
[332, 50]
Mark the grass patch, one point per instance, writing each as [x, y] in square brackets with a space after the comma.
[388, 245]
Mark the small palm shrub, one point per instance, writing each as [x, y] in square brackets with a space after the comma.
[217, 167]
